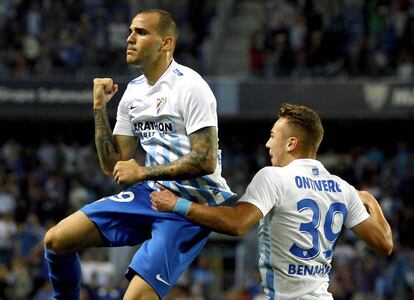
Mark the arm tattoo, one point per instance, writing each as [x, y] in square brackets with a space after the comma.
[200, 161]
[106, 146]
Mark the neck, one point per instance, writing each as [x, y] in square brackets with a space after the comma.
[155, 69]
[292, 157]
[304, 155]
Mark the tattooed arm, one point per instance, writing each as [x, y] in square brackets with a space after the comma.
[110, 149]
[200, 161]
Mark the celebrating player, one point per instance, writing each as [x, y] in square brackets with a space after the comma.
[301, 208]
[171, 110]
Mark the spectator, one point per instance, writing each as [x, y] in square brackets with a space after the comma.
[202, 278]
[7, 230]
[79, 36]
[21, 281]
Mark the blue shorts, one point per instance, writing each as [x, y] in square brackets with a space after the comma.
[170, 242]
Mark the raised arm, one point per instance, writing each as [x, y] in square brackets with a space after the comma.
[375, 230]
[235, 220]
[110, 149]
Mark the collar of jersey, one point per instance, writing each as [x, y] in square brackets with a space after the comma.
[304, 161]
[172, 65]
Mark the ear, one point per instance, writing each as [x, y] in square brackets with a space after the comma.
[167, 43]
[292, 144]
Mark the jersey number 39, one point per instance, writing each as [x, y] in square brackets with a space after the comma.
[312, 228]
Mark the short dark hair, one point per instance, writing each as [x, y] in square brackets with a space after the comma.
[166, 24]
[307, 120]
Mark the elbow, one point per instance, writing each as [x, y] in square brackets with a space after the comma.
[385, 251]
[234, 232]
[388, 245]
[387, 248]
[106, 171]
[106, 167]
[237, 230]
[209, 167]
[381, 244]
[241, 232]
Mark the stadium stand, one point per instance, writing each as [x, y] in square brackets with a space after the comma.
[49, 169]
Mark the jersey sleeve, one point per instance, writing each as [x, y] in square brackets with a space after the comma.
[265, 191]
[198, 105]
[357, 212]
[123, 125]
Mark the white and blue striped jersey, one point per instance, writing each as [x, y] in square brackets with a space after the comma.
[304, 208]
[162, 116]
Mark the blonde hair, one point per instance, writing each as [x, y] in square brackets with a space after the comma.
[306, 121]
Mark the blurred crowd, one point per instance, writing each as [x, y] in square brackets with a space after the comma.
[54, 38]
[334, 38]
[295, 38]
[42, 183]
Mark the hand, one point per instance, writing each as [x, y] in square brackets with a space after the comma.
[103, 90]
[164, 200]
[128, 172]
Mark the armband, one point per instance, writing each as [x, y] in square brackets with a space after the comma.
[182, 206]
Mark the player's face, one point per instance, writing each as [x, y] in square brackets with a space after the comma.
[277, 143]
[144, 40]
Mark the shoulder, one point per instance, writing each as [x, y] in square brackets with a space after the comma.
[137, 81]
[187, 77]
[184, 72]
[270, 174]
[266, 190]
[135, 85]
[344, 185]
[270, 170]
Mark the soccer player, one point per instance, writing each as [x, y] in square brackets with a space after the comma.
[171, 110]
[301, 208]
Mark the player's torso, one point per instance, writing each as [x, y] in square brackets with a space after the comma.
[297, 238]
[156, 118]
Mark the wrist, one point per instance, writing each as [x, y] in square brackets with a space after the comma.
[139, 173]
[142, 173]
[182, 207]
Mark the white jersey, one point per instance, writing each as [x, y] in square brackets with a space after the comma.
[162, 116]
[304, 208]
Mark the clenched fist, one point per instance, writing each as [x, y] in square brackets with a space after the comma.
[128, 172]
[103, 90]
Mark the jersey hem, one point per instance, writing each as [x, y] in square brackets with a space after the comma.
[194, 128]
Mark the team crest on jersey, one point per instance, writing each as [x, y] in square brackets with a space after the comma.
[161, 103]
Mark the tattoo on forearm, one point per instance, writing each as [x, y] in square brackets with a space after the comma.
[106, 146]
[198, 162]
